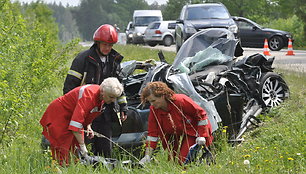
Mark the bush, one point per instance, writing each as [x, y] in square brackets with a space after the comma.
[293, 25]
[30, 59]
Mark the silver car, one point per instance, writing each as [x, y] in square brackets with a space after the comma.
[160, 32]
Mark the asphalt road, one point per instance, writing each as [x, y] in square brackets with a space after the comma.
[294, 63]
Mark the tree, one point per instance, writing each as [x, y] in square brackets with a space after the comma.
[66, 23]
[173, 9]
[93, 13]
[288, 8]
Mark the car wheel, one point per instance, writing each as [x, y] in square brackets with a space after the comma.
[276, 43]
[273, 89]
[167, 41]
[152, 44]
[133, 122]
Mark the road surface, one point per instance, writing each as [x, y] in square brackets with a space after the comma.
[294, 63]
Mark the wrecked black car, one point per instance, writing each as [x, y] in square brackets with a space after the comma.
[233, 92]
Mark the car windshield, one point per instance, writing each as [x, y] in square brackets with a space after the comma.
[206, 12]
[206, 47]
[145, 20]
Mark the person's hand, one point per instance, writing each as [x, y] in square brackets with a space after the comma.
[201, 141]
[83, 150]
[123, 116]
[90, 133]
[145, 159]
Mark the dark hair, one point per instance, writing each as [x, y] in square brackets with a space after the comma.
[158, 89]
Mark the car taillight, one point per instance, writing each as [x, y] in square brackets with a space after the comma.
[158, 32]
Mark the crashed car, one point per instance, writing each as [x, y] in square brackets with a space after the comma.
[233, 92]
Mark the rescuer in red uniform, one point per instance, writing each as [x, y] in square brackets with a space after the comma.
[171, 117]
[66, 117]
[92, 66]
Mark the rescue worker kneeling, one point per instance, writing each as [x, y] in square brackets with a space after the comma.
[66, 117]
[172, 116]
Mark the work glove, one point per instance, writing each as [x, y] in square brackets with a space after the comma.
[83, 150]
[145, 159]
[201, 141]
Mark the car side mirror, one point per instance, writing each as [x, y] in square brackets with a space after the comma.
[254, 28]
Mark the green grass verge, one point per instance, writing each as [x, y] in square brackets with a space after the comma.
[278, 146]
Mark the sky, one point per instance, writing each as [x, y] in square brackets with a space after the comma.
[77, 2]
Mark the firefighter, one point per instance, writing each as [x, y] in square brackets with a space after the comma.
[92, 66]
[173, 117]
[66, 117]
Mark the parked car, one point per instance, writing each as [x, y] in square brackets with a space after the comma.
[160, 32]
[141, 20]
[196, 17]
[253, 35]
[129, 32]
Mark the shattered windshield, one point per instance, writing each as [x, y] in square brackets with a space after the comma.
[206, 47]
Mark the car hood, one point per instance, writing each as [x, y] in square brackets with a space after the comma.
[141, 29]
[210, 23]
[275, 31]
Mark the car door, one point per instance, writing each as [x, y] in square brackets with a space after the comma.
[250, 34]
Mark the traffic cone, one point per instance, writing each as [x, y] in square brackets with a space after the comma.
[266, 48]
[290, 49]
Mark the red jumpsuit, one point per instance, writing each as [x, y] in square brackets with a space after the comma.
[71, 112]
[183, 118]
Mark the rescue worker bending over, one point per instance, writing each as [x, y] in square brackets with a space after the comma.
[172, 117]
[92, 66]
[66, 117]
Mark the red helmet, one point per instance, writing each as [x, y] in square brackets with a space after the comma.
[106, 33]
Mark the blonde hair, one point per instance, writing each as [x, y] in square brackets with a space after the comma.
[112, 85]
[158, 89]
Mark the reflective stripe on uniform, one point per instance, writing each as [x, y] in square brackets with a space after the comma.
[149, 138]
[203, 122]
[75, 74]
[76, 124]
[82, 91]
[122, 99]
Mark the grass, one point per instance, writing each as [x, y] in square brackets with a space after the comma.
[278, 146]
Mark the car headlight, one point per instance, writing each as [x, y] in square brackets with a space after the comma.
[138, 34]
[130, 35]
[288, 36]
[233, 28]
[190, 29]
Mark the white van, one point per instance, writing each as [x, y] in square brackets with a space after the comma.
[141, 19]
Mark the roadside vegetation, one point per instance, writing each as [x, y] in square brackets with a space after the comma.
[33, 65]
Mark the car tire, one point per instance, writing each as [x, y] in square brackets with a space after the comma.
[133, 122]
[273, 89]
[276, 43]
[167, 41]
[152, 44]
